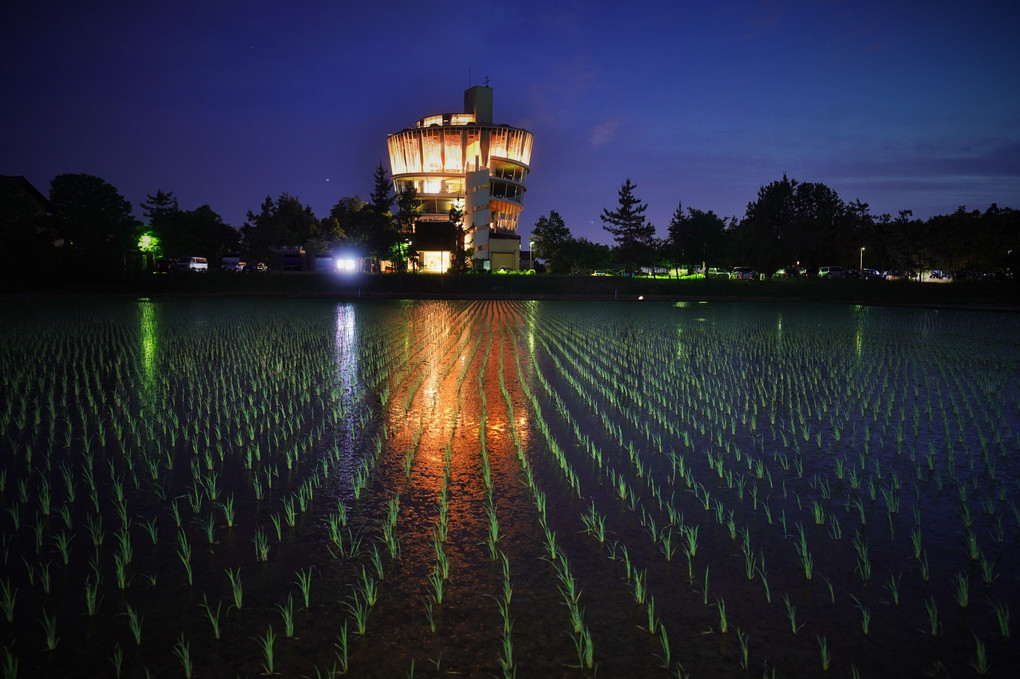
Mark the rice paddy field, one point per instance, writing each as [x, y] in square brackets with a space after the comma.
[307, 488]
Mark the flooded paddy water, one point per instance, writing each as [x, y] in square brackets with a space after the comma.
[218, 488]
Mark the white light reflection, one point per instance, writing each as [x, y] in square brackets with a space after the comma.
[346, 347]
[683, 352]
[859, 333]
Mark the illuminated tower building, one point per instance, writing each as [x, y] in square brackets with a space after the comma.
[464, 160]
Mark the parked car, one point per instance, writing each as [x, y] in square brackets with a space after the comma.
[744, 273]
[232, 267]
[790, 272]
[200, 264]
[830, 272]
[255, 267]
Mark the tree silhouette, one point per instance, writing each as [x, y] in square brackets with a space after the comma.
[550, 237]
[279, 223]
[94, 220]
[633, 234]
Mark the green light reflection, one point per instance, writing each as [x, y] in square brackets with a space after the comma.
[861, 312]
[148, 328]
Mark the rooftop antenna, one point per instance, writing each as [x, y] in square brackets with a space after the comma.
[486, 81]
[469, 76]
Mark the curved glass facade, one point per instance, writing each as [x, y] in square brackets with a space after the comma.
[436, 157]
[451, 149]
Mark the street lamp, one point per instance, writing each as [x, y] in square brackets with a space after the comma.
[862, 259]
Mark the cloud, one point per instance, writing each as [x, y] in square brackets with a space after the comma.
[604, 132]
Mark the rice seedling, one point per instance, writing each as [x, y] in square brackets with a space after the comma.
[763, 576]
[721, 606]
[304, 582]
[117, 660]
[376, 560]
[1001, 611]
[182, 651]
[266, 643]
[863, 562]
[807, 562]
[134, 623]
[704, 589]
[492, 526]
[8, 596]
[640, 586]
[368, 588]
[551, 549]
[923, 564]
[980, 661]
[92, 596]
[208, 527]
[49, 624]
[287, 615]
[893, 586]
[595, 523]
[359, 609]
[653, 622]
[236, 586]
[667, 656]
[151, 529]
[823, 651]
[743, 638]
[227, 509]
[987, 569]
[791, 613]
[429, 614]
[341, 646]
[961, 591]
[932, 608]
[10, 664]
[865, 614]
[585, 649]
[261, 542]
[62, 541]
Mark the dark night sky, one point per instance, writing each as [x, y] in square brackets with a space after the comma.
[903, 105]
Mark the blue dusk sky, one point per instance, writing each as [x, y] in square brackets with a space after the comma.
[902, 105]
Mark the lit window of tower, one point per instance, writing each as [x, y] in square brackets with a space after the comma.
[463, 160]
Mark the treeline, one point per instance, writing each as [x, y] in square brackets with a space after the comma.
[789, 224]
[85, 225]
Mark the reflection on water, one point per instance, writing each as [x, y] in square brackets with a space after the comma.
[861, 312]
[345, 342]
[682, 350]
[148, 326]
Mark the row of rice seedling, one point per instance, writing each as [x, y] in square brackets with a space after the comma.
[735, 488]
[176, 479]
[617, 550]
[203, 490]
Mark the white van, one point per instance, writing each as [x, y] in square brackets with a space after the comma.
[830, 272]
[200, 264]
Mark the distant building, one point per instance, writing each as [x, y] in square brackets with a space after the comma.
[464, 160]
[24, 214]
